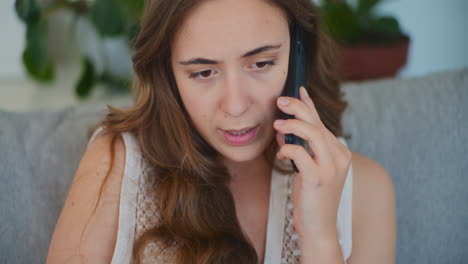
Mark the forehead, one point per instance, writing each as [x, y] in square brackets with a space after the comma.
[230, 27]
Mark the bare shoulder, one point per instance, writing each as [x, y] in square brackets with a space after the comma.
[370, 173]
[86, 230]
[374, 212]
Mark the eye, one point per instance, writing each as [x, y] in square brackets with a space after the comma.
[263, 65]
[202, 75]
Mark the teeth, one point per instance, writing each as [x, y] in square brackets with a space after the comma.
[240, 133]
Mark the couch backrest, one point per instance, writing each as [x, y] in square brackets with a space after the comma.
[418, 130]
[39, 154]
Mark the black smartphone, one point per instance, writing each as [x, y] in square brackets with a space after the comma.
[297, 76]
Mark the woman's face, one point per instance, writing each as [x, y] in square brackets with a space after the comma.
[230, 61]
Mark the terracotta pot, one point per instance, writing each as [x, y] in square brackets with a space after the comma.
[365, 61]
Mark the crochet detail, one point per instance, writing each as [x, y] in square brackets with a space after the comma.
[291, 252]
[147, 214]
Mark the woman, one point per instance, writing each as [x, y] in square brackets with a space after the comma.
[197, 170]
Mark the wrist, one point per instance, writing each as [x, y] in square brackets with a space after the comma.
[323, 249]
[323, 239]
[322, 243]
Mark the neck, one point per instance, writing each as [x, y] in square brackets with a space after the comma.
[249, 177]
[248, 170]
[250, 188]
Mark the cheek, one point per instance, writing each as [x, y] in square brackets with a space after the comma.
[282, 80]
[276, 87]
[186, 93]
[276, 83]
[197, 107]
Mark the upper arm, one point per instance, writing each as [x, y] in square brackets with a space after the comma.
[86, 230]
[374, 213]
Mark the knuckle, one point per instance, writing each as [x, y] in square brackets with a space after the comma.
[315, 131]
[297, 150]
[347, 154]
[345, 163]
[292, 124]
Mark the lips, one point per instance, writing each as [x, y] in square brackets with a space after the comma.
[235, 137]
[239, 130]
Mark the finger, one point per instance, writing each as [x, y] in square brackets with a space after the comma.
[304, 95]
[299, 155]
[341, 154]
[331, 139]
[297, 108]
[345, 154]
[312, 117]
[313, 135]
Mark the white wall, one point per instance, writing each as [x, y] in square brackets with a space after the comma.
[438, 31]
[12, 41]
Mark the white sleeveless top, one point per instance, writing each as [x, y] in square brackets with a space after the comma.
[138, 212]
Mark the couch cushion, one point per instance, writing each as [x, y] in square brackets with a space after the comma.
[418, 130]
[40, 152]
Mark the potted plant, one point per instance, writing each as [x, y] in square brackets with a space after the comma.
[102, 30]
[370, 46]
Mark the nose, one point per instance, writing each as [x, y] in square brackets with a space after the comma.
[235, 96]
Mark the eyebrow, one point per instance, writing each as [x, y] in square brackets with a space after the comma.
[248, 54]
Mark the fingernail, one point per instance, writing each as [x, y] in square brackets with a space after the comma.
[279, 122]
[283, 101]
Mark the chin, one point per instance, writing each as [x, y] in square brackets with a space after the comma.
[242, 154]
[240, 158]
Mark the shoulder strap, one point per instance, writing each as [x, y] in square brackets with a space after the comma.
[128, 200]
[94, 135]
[344, 219]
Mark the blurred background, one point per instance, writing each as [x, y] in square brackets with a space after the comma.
[57, 53]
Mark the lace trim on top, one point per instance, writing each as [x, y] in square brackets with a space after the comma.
[147, 214]
[291, 252]
[147, 211]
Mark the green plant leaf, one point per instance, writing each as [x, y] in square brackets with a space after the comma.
[339, 21]
[365, 6]
[42, 73]
[27, 10]
[108, 17]
[387, 29]
[132, 33]
[35, 57]
[115, 84]
[87, 80]
[133, 9]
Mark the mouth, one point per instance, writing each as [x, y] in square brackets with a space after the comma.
[240, 137]
[239, 131]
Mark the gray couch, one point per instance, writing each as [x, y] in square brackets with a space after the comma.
[416, 128]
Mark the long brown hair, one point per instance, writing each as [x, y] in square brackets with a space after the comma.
[196, 208]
